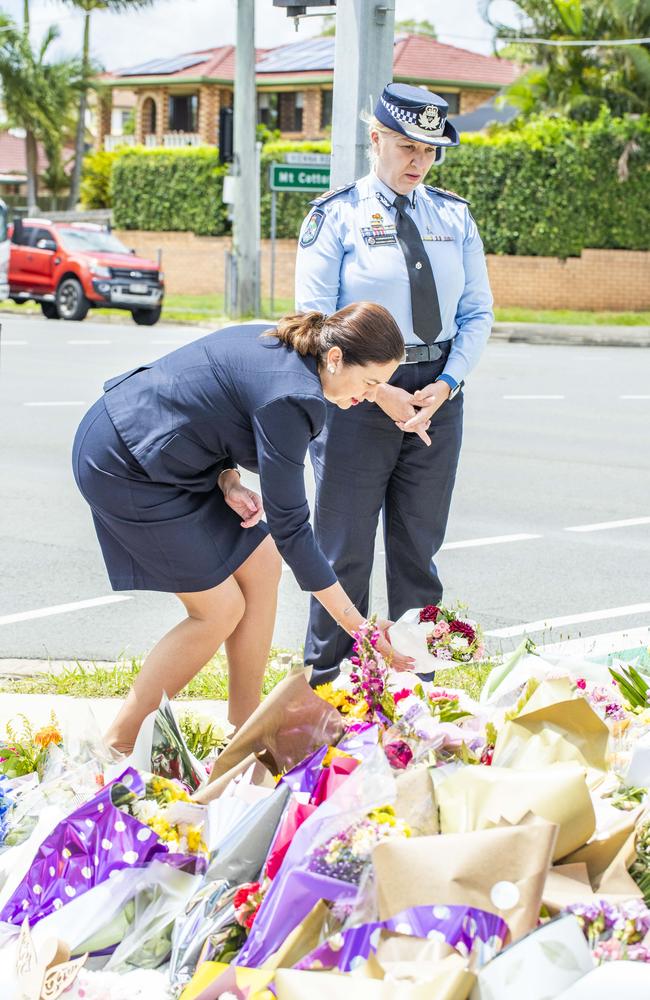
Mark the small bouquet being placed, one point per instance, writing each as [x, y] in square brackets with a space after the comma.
[437, 637]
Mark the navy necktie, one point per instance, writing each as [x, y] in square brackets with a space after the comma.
[425, 307]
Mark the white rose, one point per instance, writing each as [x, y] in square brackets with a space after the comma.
[458, 643]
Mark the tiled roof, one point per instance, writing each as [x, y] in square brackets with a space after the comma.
[420, 58]
[12, 155]
[417, 57]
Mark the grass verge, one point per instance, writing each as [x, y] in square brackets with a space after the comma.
[209, 310]
[211, 683]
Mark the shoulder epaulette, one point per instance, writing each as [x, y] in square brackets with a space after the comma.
[446, 194]
[332, 194]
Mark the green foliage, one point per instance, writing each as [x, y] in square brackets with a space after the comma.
[578, 80]
[551, 186]
[169, 189]
[96, 178]
[632, 686]
[181, 189]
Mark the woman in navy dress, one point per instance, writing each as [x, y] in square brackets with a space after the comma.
[156, 458]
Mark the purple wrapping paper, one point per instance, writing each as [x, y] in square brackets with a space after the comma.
[83, 851]
[304, 776]
[468, 930]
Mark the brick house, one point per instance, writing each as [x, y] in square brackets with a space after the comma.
[178, 99]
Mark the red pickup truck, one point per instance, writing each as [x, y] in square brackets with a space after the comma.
[71, 267]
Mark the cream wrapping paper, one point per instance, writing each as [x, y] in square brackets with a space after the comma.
[478, 798]
[502, 870]
[554, 727]
[611, 981]
[540, 966]
[613, 831]
[416, 800]
[448, 980]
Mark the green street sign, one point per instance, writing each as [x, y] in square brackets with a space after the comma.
[298, 177]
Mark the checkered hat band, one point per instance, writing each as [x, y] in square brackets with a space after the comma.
[401, 114]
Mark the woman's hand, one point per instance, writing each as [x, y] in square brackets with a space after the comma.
[429, 400]
[396, 403]
[244, 502]
[397, 660]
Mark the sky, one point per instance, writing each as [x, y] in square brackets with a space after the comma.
[170, 27]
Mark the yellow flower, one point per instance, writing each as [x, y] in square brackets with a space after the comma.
[47, 735]
[194, 839]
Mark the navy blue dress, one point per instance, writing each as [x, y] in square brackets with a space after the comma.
[148, 454]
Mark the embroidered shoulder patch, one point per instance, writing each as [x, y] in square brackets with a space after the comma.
[313, 227]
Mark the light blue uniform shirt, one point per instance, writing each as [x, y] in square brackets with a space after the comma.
[355, 256]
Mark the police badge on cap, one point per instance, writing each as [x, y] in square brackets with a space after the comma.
[417, 113]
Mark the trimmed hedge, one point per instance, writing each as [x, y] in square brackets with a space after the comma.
[169, 189]
[553, 187]
[549, 187]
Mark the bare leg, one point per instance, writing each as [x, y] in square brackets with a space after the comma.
[248, 646]
[212, 615]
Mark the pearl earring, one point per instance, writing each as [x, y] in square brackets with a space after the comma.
[331, 369]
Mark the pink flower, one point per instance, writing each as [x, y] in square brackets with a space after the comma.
[398, 754]
[400, 695]
[439, 629]
[581, 683]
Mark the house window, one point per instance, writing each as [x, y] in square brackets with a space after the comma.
[184, 112]
[453, 100]
[326, 108]
[267, 109]
[290, 111]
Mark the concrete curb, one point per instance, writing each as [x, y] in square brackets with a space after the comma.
[575, 336]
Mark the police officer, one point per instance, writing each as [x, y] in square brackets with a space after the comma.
[156, 459]
[414, 249]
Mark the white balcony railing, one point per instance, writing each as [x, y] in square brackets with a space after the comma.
[170, 139]
[112, 142]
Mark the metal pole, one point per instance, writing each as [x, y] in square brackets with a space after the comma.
[258, 226]
[363, 65]
[273, 221]
[246, 206]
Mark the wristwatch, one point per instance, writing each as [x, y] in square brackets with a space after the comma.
[452, 383]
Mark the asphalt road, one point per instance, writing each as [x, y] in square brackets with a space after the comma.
[556, 439]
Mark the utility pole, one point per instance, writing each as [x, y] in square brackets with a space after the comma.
[363, 65]
[246, 204]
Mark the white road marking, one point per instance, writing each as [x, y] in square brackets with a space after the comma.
[493, 540]
[605, 525]
[587, 616]
[13, 343]
[59, 402]
[80, 342]
[61, 609]
[602, 644]
[634, 397]
[533, 396]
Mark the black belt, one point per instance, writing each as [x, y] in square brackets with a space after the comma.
[422, 352]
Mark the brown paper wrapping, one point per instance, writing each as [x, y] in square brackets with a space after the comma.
[302, 939]
[464, 868]
[290, 723]
[601, 851]
[554, 726]
[478, 798]
[416, 802]
[449, 980]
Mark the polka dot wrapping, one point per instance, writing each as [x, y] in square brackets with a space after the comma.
[86, 848]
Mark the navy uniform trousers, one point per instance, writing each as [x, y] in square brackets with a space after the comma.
[364, 464]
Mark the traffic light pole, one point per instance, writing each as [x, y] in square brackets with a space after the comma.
[245, 166]
[363, 65]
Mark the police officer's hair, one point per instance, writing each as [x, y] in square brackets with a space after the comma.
[365, 332]
[373, 125]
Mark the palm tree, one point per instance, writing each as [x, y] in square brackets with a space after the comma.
[577, 80]
[38, 95]
[88, 6]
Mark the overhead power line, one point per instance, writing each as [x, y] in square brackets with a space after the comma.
[585, 43]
